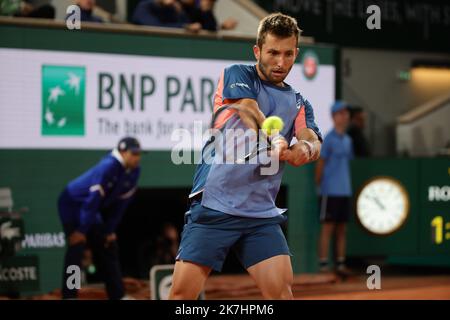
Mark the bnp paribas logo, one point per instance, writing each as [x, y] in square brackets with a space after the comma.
[63, 99]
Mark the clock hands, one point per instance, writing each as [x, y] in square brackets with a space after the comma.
[378, 202]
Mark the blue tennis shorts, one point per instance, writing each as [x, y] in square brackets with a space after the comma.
[208, 235]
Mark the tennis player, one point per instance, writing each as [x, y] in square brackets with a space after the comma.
[232, 206]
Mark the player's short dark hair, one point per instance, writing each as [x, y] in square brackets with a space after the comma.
[278, 24]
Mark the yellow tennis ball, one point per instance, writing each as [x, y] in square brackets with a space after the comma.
[272, 123]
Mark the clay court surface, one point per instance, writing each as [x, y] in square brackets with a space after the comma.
[307, 286]
[320, 287]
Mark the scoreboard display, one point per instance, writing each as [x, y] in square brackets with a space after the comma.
[401, 208]
[434, 227]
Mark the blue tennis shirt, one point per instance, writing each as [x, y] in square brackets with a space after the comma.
[241, 189]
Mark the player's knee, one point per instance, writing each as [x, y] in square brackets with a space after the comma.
[176, 294]
[279, 288]
[281, 292]
[182, 293]
[285, 292]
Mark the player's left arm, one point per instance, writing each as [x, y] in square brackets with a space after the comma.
[309, 138]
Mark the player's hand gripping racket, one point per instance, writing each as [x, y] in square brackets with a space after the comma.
[269, 126]
[263, 137]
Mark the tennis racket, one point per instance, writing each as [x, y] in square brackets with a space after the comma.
[227, 118]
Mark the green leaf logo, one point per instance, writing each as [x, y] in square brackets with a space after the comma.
[63, 100]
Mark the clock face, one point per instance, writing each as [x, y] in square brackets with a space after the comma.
[382, 205]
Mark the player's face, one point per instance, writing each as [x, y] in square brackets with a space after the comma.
[131, 159]
[276, 57]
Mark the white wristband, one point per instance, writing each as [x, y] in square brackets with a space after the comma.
[310, 147]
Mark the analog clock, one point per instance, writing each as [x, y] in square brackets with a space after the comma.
[382, 205]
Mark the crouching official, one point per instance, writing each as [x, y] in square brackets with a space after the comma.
[91, 207]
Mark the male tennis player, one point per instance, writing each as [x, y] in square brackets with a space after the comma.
[233, 205]
[91, 207]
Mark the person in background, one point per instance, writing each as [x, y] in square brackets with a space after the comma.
[160, 13]
[91, 207]
[332, 176]
[86, 8]
[361, 146]
[27, 9]
[166, 247]
[201, 15]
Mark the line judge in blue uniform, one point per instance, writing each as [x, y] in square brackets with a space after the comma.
[91, 207]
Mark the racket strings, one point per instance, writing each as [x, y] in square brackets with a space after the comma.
[231, 140]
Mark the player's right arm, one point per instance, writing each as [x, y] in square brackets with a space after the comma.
[237, 86]
[249, 110]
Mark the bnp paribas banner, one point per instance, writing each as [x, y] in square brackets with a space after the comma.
[72, 100]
